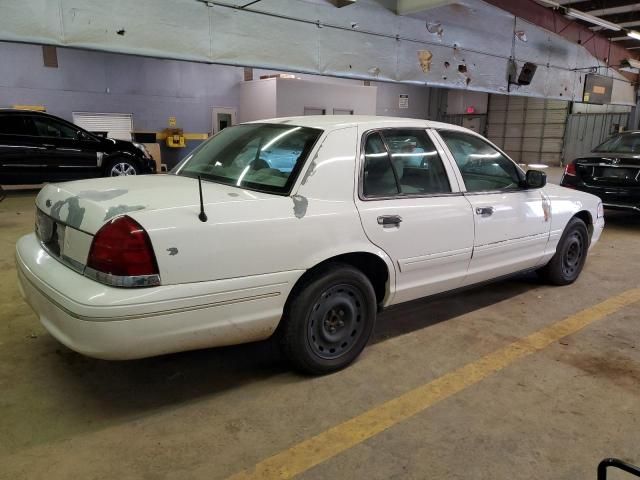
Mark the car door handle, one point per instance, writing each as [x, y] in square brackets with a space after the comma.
[48, 146]
[484, 211]
[386, 220]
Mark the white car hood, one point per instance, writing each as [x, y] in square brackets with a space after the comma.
[87, 204]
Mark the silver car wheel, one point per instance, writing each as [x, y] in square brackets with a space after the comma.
[122, 168]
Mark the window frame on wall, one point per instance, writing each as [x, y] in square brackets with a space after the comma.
[319, 109]
[447, 168]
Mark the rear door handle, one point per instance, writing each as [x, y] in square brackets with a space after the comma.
[386, 220]
[48, 146]
[484, 211]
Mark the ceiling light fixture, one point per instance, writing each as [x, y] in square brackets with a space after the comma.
[571, 12]
[633, 34]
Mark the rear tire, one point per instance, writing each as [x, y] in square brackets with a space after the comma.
[328, 320]
[565, 266]
[121, 167]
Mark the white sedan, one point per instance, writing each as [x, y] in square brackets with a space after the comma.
[368, 213]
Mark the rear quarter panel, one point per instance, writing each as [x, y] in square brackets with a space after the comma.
[282, 233]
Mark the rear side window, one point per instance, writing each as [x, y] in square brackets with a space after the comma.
[402, 162]
[416, 161]
[47, 127]
[379, 177]
[483, 168]
[15, 125]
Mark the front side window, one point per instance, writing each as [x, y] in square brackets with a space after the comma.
[259, 156]
[483, 168]
[402, 162]
[47, 127]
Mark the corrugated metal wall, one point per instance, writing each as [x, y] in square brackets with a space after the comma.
[530, 130]
[587, 130]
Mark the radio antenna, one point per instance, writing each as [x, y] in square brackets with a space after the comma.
[202, 216]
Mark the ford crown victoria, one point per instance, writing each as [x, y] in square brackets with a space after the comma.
[233, 247]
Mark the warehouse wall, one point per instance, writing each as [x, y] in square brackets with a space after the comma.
[388, 98]
[151, 89]
[257, 100]
[293, 95]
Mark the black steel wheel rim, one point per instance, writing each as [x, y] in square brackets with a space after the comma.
[573, 254]
[336, 321]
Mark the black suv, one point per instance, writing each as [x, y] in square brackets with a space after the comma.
[36, 147]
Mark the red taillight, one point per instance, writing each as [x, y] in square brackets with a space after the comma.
[570, 169]
[122, 248]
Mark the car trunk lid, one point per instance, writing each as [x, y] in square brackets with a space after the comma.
[87, 204]
[609, 171]
[70, 214]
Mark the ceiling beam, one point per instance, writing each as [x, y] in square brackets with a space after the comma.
[604, 12]
[603, 31]
[590, 5]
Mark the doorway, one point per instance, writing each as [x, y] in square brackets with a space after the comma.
[222, 117]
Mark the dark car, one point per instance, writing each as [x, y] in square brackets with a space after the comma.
[611, 171]
[36, 147]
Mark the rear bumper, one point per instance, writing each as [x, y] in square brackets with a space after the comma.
[620, 206]
[612, 197]
[119, 324]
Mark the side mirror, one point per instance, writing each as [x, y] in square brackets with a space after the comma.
[82, 135]
[536, 179]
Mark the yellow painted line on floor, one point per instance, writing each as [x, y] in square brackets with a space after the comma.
[315, 450]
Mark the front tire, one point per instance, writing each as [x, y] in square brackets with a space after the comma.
[329, 319]
[122, 167]
[565, 266]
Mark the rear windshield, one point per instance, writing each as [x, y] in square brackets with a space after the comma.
[258, 156]
[624, 143]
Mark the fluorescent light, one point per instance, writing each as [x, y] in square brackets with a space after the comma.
[572, 12]
[633, 34]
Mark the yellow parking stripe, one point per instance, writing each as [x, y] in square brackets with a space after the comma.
[315, 450]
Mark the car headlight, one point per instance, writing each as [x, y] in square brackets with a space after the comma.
[600, 210]
[144, 150]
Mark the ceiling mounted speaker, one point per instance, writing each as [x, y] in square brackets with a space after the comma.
[527, 73]
[342, 3]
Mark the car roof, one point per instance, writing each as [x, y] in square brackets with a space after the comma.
[17, 111]
[20, 110]
[332, 122]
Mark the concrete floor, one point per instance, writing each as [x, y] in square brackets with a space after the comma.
[212, 413]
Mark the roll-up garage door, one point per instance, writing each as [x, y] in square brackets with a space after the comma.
[530, 130]
[116, 125]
